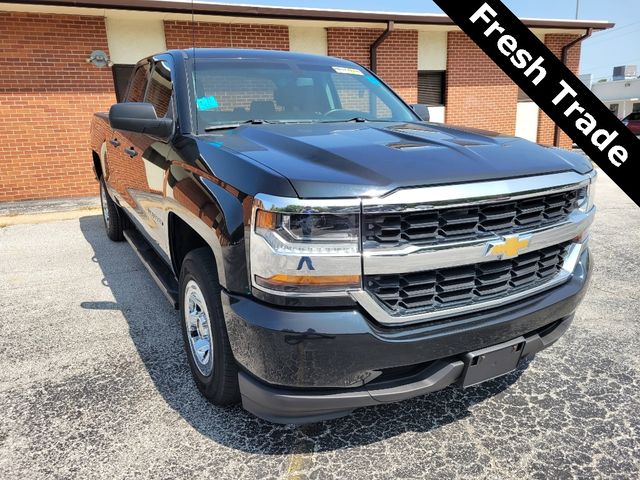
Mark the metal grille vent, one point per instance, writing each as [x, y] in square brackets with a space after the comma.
[470, 222]
[469, 284]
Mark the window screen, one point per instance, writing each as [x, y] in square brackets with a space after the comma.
[121, 75]
[431, 87]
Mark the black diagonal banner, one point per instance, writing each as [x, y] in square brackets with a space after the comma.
[549, 83]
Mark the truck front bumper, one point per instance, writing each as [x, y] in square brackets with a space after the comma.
[300, 366]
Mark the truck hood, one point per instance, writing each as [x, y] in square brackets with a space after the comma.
[340, 160]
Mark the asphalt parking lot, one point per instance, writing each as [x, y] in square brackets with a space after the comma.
[94, 382]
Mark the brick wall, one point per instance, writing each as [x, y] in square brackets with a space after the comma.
[479, 94]
[397, 56]
[546, 127]
[48, 94]
[221, 35]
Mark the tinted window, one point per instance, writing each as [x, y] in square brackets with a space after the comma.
[138, 84]
[160, 88]
[355, 96]
[121, 76]
[239, 91]
[230, 91]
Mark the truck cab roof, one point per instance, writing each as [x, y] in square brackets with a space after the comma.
[249, 53]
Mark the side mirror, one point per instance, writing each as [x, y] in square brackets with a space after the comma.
[422, 111]
[139, 118]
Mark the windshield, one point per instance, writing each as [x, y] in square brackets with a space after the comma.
[234, 91]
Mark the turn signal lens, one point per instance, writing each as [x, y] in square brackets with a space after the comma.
[586, 196]
[308, 283]
[266, 220]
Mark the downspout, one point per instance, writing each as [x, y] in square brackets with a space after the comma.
[373, 49]
[564, 57]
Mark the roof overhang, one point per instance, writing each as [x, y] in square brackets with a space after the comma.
[295, 13]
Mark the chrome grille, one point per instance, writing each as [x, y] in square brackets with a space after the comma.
[465, 285]
[453, 224]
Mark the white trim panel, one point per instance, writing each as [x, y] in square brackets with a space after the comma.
[527, 114]
[308, 40]
[436, 114]
[133, 39]
[432, 50]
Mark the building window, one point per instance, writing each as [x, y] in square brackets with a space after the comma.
[636, 108]
[523, 97]
[431, 87]
[121, 75]
[614, 108]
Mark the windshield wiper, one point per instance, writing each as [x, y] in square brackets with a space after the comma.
[347, 120]
[359, 120]
[227, 126]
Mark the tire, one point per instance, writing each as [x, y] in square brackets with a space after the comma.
[216, 375]
[113, 217]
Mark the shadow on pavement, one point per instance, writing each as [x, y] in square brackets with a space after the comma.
[159, 344]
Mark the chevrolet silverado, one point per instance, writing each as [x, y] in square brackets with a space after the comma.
[327, 247]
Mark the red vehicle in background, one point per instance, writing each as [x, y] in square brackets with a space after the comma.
[632, 122]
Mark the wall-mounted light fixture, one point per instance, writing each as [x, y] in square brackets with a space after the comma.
[100, 59]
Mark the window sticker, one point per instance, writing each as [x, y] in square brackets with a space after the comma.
[206, 103]
[348, 70]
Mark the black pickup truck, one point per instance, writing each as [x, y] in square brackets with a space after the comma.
[327, 248]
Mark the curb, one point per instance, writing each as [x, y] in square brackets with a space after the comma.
[39, 211]
[33, 218]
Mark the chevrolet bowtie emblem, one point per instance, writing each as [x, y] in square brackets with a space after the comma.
[509, 247]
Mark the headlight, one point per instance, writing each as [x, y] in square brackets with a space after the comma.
[309, 232]
[586, 196]
[305, 247]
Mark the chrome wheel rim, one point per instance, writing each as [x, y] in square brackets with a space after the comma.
[105, 205]
[196, 317]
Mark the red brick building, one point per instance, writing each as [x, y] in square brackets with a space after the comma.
[48, 90]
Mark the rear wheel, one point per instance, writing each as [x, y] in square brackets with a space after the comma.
[111, 214]
[204, 331]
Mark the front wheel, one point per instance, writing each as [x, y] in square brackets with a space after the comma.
[113, 221]
[204, 331]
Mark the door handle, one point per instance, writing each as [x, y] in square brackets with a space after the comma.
[114, 142]
[131, 152]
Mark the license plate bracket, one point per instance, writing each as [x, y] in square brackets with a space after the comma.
[491, 362]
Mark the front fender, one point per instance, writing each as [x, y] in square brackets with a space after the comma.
[216, 214]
